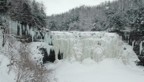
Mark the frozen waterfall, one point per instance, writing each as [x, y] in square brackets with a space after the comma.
[95, 45]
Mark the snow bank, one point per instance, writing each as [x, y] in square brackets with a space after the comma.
[95, 45]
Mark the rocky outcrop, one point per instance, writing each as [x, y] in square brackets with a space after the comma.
[51, 56]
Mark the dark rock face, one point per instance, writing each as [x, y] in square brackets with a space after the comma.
[141, 58]
[3, 6]
[60, 55]
[51, 56]
[136, 39]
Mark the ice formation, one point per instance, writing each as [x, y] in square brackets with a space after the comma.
[1, 38]
[141, 47]
[94, 45]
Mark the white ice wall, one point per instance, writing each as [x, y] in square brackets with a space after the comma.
[94, 45]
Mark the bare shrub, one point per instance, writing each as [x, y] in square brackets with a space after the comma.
[29, 71]
[26, 69]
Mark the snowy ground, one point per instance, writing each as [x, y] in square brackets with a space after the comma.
[109, 70]
[6, 75]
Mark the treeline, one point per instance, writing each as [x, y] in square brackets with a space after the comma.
[108, 16]
[27, 12]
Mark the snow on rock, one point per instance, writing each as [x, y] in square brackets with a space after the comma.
[35, 53]
[95, 45]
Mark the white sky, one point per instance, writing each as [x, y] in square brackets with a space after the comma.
[60, 6]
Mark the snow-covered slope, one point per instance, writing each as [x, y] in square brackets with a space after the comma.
[6, 72]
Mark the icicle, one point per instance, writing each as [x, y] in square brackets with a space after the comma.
[10, 26]
[141, 48]
[16, 23]
[32, 33]
[56, 56]
[133, 42]
[20, 29]
[47, 37]
[1, 38]
[27, 26]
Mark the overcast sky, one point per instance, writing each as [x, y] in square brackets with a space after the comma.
[60, 6]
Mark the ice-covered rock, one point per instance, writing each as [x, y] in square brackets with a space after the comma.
[94, 45]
